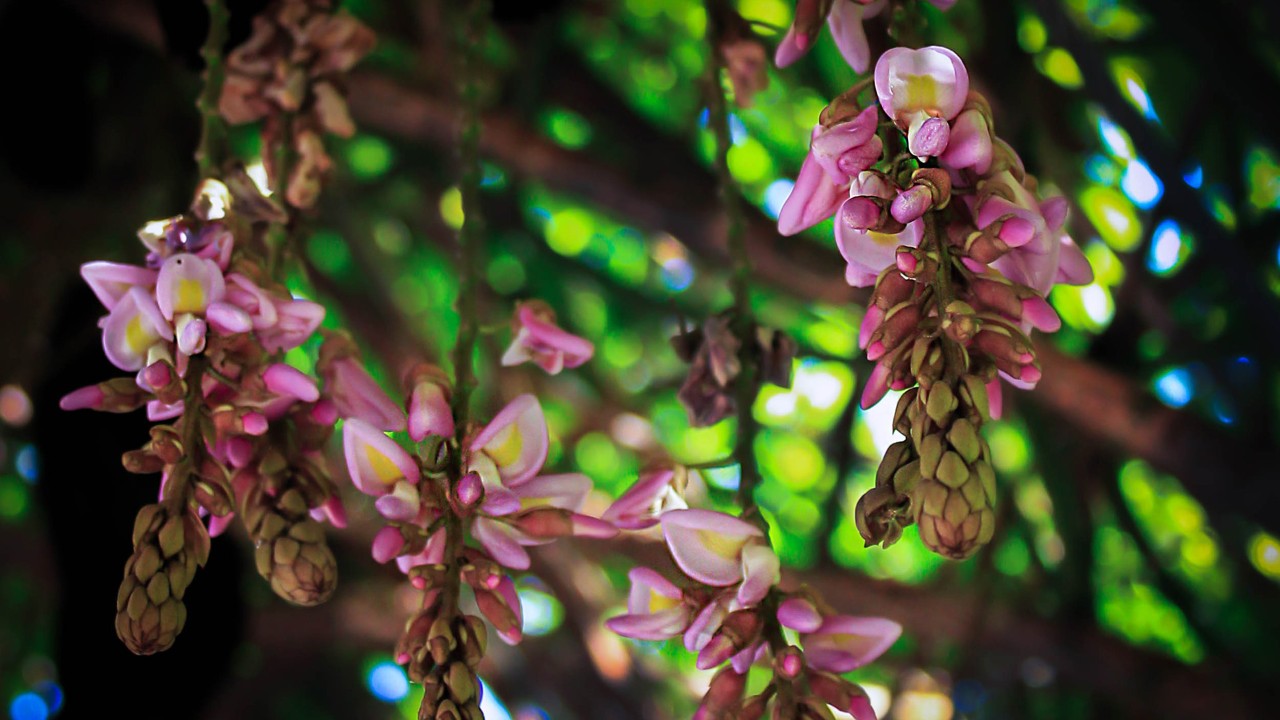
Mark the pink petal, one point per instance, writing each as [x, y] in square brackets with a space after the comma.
[813, 199]
[88, 397]
[845, 23]
[133, 326]
[799, 614]
[567, 491]
[499, 501]
[950, 82]
[283, 379]
[110, 281]
[640, 506]
[357, 395]
[760, 571]
[516, 440]
[844, 643]
[499, 541]
[650, 626]
[970, 143]
[376, 463]
[188, 283]
[707, 545]
[401, 504]
[227, 319]
[429, 412]
[387, 544]
[1073, 266]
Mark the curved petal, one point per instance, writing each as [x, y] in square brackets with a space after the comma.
[813, 199]
[110, 281]
[567, 491]
[845, 23]
[931, 80]
[357, 395]
[650, 626]
[375, 461]
[707, 545]
[287, 380]
[498, 539]
[429, 412]
[516, 440]
[1073, 266]
[844, 643]
[132, 328]
[188, 283]
[760, 571]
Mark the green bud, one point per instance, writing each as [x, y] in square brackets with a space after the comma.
[952, 471]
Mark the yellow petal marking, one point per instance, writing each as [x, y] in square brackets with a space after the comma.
[727, 547]
[137, 336]
[383, 468]
[505, 447]
[919, 92]
[659, 602]
[189, 297]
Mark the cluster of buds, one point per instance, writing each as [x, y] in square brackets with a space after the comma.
[462, 510]
[290, 72]
[714, 354]
[961, 253]
[844, 18]
[731, 612]
[203, 327]
[167, 548]
[940, 477]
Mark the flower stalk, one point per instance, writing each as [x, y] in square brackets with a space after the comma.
[213, 131]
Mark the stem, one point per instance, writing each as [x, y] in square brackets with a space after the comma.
[177, 489]
[471, 234]
[943, 290]
[747, 384]
[213, 131]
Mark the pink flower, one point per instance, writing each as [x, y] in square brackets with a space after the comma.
[504, 536]
[922, 90]
[540, 340]
[502, 608]
[188, 283]
[845, 23]
[970, 144]
[721, 550]
[110, 281]
[429, 411]
[376, 463]
[253, 300]
[847, 148]
[357, 395]
[1033, 231]
[655, 608]
[844, 643]
[296, 320]
[133, 327]
[643, 503]
[814, 198]
[513, 446]
[799, 614]
[867, 251]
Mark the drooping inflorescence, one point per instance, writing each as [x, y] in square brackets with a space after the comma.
[939, 216]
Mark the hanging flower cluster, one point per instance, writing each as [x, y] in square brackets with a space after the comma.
[291, 72]
[483, 484]
[939, 215]
[730, 610]
[202, 327]
[714, 354]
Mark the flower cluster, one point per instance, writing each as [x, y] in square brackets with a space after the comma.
[939, 215]
[731, 610]
[203, 327]
[844, 18]
[714, 354]
[290, 71]
[483, 484]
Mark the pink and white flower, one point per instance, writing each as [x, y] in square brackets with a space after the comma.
[513, 446]
[922, 91]
[376, 463]
[643, 504]
[655, 608]
[540, 340]
[843, 643]
[721, 550]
